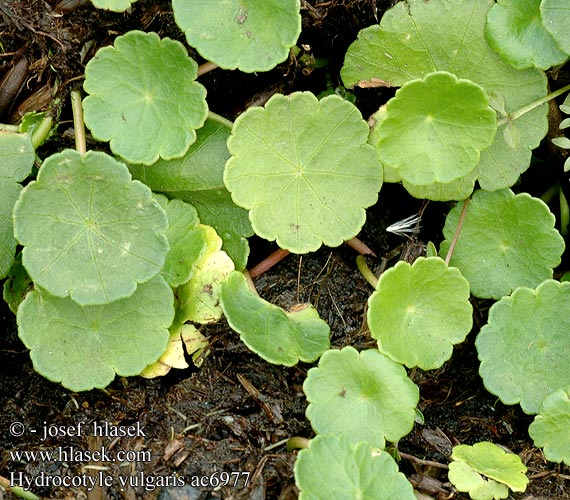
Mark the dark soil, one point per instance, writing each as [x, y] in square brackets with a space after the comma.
[235, 413]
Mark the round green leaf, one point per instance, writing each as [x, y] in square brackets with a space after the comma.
[16, 156]
[515, 31]
[244, 34]
[113, 5]
[365, 395]
[435, 128]
[333, 467]
[493, 462]
[277, 336]
[408, 44]
[465, 478]
[85, 346]
[551, 427]
[297, 165]
[524, 348]
[506, 241]
[9, 192]
[88, 230]
[555, 17]
[143, 97]
[418, 312]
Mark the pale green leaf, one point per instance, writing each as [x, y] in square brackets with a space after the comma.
[85, 346]
[515, 31]
[243, 34]
[113, 5]
[506, 241]
[365, 395]
[199, 298]
[17, 284]
[466, 479]
[551, 427]
[88, 230]
[561, 142]
[556, 18]
[418, 312]
[16, 156]
[143, 97]
[296, 165]
[408, 44]
[9, 192]
[197, 178]
[280, 337]
[457, 190]
[186, 239]
[333, 467]
[435, 128]
[492, 462]
[524, 348]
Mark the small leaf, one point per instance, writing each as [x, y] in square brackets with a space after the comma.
[199, 298]
[244, 34]
[16, 157]
[88, 230]
[524, 346]
[183, 339]
[564, 124]
[17, 285]
[520, 245]
[491, 461]
[464, 478]
[113, 5]
[335, 467]
[551, 427]
[366, 396]
[297, 164]
[143, 97]
[197, 178]
[418, 312]
[277, 336]
[186, 239]
[561, 142]
[457, 190]
[555, 17]
[84, 346]
[435, 128]
[515, 31]
[9, 193]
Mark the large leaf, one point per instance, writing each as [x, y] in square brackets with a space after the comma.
[418, 312]
[492, 462]
[435, 128]
[85, 346]
[333, 467]
[408, 44]
[244, 34]
[197, 178]
[278, 336]
[297, 165]
[555, 17]
[506, 241]
[9, 192]
[143, 97]
[16, 156]
[88, 230]
[365, 396]
[551, 427]
[524, 348]
[515, 31]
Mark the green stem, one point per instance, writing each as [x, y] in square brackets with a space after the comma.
[564, 214]
[511, 117]
[457, 231]
[366, 271]
[20, 492]
[220, 119]
[78, 124]
[41, 131]
[297, 443]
